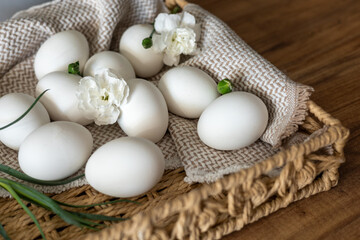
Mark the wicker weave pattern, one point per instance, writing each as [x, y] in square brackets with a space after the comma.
[98, 20]
[223, 54]
[214, 210]
[175, 209]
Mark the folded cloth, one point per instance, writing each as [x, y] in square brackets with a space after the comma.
[223, 54]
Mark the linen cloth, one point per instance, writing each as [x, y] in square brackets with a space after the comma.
[223, 54]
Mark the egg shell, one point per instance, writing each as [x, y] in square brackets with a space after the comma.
[112, 60]
[60, 50]
[146, 62]
[187, 91]
[125, 167]
[145, 114]
[55, 151]
[233, 121]
[12, 106]
[61, 101]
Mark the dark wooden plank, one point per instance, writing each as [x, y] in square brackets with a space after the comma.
[315, 42]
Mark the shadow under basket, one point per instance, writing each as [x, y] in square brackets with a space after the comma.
[174, 209]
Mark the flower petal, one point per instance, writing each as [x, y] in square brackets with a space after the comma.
[171, 60]
[187, 20]
[108, 117]
[166, 22]
[158, 43]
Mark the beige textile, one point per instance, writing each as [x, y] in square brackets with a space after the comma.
[223, 54]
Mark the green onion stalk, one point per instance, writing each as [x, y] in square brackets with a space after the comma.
[26, 112]
[3, 233]
[21, 192]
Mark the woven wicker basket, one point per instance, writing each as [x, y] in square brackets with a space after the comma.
[175, 209]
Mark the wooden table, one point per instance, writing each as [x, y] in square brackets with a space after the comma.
[315, 42]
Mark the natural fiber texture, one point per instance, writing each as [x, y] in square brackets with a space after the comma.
[102, 22]
[204, 164]
[174, 209]
[212, 211]
[223, 54]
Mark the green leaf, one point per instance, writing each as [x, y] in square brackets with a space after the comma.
[27, 111]
[42, 200]
[48, 202]
[224, 86]
[23, 197]
[3, 233]
[96, 204]
[39, 199]
[74, 68]
[82, 222]
[98, 217]
[27, 210]
[27, 178]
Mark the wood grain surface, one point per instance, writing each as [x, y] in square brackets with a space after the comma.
[315, 42]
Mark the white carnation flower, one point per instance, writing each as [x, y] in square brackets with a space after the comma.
[100, 97]
[167, 22]
[178, 34]
[174, 43]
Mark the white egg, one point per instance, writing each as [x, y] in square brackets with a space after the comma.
[112, 60]
[12, 106]
[187, 91]
[61, 101]
[55, 151]
[61, 49]
[145, 114]
[146, 62]
[233, 121]
[125, 167]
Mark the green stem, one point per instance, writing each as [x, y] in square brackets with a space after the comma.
[96, 204]
[27, 210]
[81, 222]
[152, 33]
[39, 199]
[22, 176]
[98, 217]
[147, 42]
[3, 233]
[27, 111]
[22, 192]
[42, 200]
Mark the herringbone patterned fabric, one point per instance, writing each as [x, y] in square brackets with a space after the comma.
[223, 54]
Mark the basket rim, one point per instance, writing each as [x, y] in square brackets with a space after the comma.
[336, 134]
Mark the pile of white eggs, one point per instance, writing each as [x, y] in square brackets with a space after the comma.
[132, 165]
